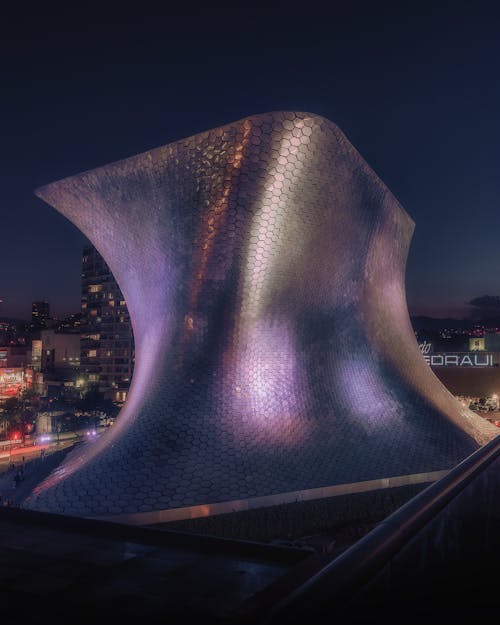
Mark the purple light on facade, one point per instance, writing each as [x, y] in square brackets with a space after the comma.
[267, 397]
[366, 397]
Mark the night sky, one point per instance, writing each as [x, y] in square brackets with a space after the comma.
[414, 86]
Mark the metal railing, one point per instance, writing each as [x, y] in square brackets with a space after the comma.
[329, 589]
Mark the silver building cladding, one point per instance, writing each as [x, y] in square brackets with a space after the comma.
[263, 268]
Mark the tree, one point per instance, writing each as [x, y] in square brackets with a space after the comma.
[30, 397]
[12, 415]
[16, 417]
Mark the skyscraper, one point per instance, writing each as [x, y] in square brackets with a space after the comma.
[106, 348]
[40, 313]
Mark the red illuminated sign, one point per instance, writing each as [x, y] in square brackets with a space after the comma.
[13, 381]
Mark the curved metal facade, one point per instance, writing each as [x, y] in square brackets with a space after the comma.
[263, 267]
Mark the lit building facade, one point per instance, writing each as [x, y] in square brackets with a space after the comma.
[40, 313]
[13, 381]
[12, 332]
[17, 373]
[473, 371]
[106, 348]
[36, 354]
[263, 268]
[59, 350]
[15, 356]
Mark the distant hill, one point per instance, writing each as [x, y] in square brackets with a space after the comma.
[13, 321]
[421, 322]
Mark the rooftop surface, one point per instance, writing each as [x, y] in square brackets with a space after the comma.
[60, 567]
[436, 550]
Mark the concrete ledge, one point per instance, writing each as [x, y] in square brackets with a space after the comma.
[342, 519]
[229, 508]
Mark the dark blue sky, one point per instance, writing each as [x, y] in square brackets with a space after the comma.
[414, 86]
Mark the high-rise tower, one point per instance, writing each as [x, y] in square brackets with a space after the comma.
[40, 313]
[106, 348]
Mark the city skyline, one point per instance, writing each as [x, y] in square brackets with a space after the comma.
[410, 87]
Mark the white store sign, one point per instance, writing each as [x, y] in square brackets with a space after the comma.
[459, 360]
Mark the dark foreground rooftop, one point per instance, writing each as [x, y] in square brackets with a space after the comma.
[434, 559]
[61, 567]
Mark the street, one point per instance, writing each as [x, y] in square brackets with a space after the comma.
[492, 415]
[30, 452]
[34, 462]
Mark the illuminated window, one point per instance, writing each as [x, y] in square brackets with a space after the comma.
[477, 344]
[92, 353]
[94, 288]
